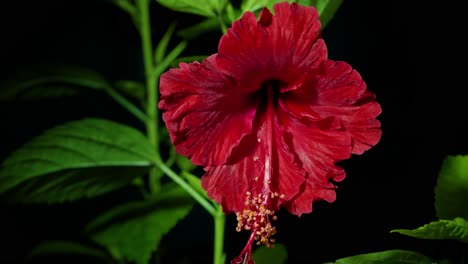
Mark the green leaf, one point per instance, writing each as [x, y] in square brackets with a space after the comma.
[184, 164]
[130, 88]
[162, 66]
[207, 25]
[442, 229]
[207, 8]
[57, 247]
[257, 5]
[451, 191]
[305, 2]
[50, 81]
[326, 9]
[83, 158]
[133, 231]
[395, 256]
[276, 255]
[232, 13]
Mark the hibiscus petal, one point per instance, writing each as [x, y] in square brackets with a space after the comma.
[245, 171]
[318, 150]
[365, 135]
[204, 111]
[337, 91]
[312, 192]
[276, 47]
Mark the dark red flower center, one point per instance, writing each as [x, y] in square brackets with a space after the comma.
[274, 86]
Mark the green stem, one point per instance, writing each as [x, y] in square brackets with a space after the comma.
[182, 183]
[219, 222]
[151, 86]
[127, 104]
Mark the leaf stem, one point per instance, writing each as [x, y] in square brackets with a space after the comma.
[151, 86]
[127, 104]
[182, 183]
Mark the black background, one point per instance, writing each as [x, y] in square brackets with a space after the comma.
[402, 59]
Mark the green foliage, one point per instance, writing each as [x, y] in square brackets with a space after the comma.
[184, 164]
[208, 8]
[442, 229]
[78, 159]
[133, 231]
[160, 51]
[71, 185]
[326, 9]
[207, 25]
[57, 247]
[54, 81]
[385, 257]
[306, 2]
[451, 191]
[257, 5]
[451, 197]
[232, 13]
[276, 255]
[162, 65]
[131, 88]
[50, 81]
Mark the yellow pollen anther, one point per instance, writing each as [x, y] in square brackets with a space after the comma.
[256, 218]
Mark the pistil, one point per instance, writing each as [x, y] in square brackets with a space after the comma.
[257, 216]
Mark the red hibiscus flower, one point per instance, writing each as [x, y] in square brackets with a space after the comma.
[268, 117]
